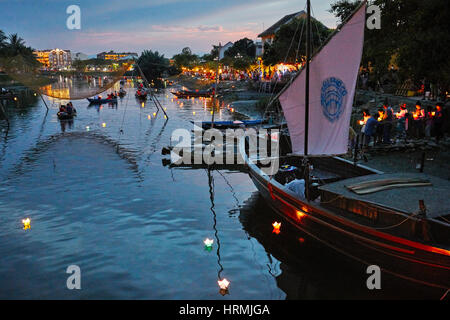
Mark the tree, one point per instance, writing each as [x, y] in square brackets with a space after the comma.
[243, 48]
[153, 64]
[288, 47]
[413, 31]
[186, 59]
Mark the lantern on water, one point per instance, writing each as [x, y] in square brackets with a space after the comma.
[104, 124]
[154, 114]
[208, 244]
[149, 117]
[26, 223]
[143, 104]
[223, 284]
[193, 113]
[87, 128]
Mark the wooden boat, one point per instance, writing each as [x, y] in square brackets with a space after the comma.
[232, 123]
[101, 101]
[399, 222]
[193, 94]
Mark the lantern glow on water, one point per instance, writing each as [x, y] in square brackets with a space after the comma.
[26, 223]
[143, 104]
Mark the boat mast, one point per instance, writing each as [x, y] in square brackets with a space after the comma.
[215, 89]
[308, 57]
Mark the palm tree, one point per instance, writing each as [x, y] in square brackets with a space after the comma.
[2, 39]
[16, 44]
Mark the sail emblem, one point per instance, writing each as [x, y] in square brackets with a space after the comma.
[332, 98]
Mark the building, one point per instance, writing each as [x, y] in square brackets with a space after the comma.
[80, 56]
[111, 55]
[268, 35]
[42, 57]
[259, 48]
[55, 58]
[60, 58]
[223, 49]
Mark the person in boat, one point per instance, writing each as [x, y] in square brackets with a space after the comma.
[70, 109]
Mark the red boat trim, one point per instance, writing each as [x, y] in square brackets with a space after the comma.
[347, 232]
[385, 236]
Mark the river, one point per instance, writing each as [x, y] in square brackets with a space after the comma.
[99, 197]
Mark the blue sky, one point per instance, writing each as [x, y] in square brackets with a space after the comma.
[135, 25]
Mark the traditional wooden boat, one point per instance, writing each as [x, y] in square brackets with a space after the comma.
[101, 101]
[193, 93]
[399, 222]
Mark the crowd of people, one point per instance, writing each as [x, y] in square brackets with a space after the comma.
[380, 126]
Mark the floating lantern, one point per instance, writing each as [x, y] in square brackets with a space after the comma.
[208, 244]
[143, 104]
[223, 284]
[15, 98]
[165, 117]
[26, 223]
[193, 113]
[87, 128]
[149, 117]
[165, 109]
[276, 227]
[154, 114]
[104, 125]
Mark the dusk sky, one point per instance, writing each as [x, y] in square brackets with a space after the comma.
[163, 25]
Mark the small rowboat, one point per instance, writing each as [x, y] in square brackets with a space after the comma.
[194, 94]
[100, 101]
[232, 123]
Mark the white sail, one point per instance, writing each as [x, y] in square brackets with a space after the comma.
[333, 75]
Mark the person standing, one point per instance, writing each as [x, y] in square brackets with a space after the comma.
[388, 118]
[438, 122]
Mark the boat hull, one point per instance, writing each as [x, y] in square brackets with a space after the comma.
[101, 101]
[410, 260]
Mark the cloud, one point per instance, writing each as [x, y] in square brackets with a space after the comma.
[187, 29]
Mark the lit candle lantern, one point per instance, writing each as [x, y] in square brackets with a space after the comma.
[223, 284]
[104, 125]
[87, 128]
[208, 244]
[276, 227]
[193, 113]
[26, 223]
[154, 114]
[149, 117]
[143, 105]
